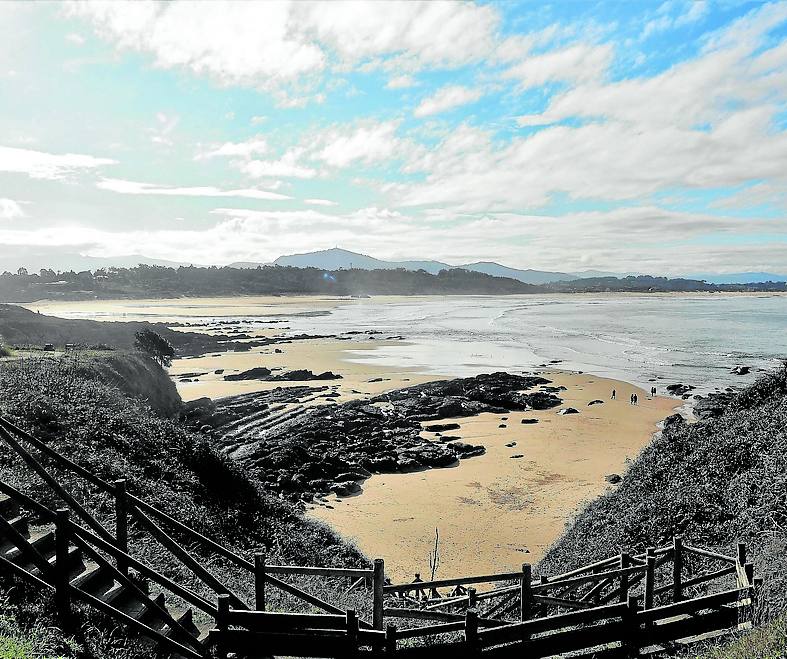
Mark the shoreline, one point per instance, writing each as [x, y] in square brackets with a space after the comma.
[493, 511]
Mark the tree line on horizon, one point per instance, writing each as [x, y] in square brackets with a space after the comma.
[165, 281]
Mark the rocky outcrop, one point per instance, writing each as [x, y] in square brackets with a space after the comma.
[679, 389]
[305, 451]
[265, 374]
[712, 405]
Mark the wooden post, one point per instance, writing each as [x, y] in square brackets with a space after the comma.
[677, 568]
[390, 640]
[378, 582]
[121, 522]
[630, 642]
[352, 632]
[625, 561]
[650, 577]
[472, 598]
[259, 581]
[222, 624]
[741, 554]
[525, 592]
[749, 569]
[62, 583]
[471, 632]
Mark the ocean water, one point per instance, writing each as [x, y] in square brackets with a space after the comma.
[690, 339]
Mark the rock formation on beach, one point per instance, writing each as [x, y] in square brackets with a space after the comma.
[307, 451]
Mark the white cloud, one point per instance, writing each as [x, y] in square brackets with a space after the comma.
[135, 188]
[10, 209]
[567, 242]
[270, 44]
[365, 142]
[579, 63]
[320, 202]
[254, 146]
[447, 98]
[41, 165]
[288, 166]
[76, 39]
[401, 82]
[693, 11]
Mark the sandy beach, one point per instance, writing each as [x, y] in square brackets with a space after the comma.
[494, 511]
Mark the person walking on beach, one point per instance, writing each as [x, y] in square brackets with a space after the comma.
[631, 399]
[613, 394]
[636, 399]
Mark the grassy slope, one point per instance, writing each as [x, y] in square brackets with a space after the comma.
[67, 403]
[714, 482]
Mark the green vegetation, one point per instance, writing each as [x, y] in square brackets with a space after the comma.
[766, 642]
[154, 345]
[5, 351]
[71, 404]
[714, 482]
[160, 281]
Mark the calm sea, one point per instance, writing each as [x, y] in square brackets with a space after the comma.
[695, 340]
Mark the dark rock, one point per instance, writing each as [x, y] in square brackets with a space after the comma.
[741, 370]
[568, 410]
[218, 371]
[467, 450]
[516, 455]
[511, 444]
[502, 425]
[613, 478]
[345, 488]
[529, 421]
[256, 373]
[595, 402]
[442, 427]
[679, 389]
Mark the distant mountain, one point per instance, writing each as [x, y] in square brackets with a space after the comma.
[527, 276]
[741, 278]
[342, 259]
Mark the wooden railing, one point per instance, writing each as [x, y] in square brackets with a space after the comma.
[628, 602]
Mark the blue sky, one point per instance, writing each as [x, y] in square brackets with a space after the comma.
[626, 136]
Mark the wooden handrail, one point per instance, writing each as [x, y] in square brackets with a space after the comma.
[40, 509]
[187, 559]
[181, 591]
[64, 461]
[148, 602]
[133, 622]
[39, 469]
[319, 571]
[459, 581]
[709, 554]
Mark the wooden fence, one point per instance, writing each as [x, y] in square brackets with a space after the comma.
[626, 605]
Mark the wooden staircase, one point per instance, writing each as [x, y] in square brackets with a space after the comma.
[88, 576]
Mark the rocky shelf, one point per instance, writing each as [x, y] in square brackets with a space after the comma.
[304, 451]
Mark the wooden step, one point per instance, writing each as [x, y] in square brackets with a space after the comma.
[95, 580]
[20, 524]
[43, 541]
[8, 507]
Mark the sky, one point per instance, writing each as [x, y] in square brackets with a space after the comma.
[623, 136]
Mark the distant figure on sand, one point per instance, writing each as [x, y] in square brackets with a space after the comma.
[636, 399]
[613, 394]
[653, 392]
